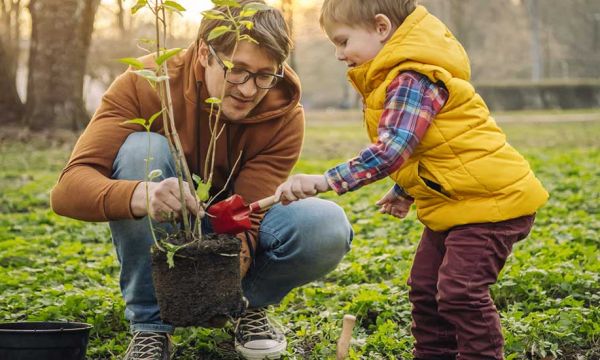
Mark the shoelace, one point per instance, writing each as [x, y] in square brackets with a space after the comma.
[146, 345]
[254, 324]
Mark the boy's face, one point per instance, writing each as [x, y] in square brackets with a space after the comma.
[357, 45]
[239, 99]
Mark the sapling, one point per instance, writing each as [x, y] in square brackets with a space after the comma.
[159, 79]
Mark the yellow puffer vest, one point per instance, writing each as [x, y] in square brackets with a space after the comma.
[481, 177]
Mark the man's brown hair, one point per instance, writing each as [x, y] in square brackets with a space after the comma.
[270, 30]
[362, 12]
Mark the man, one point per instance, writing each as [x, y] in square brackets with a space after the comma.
[287, 247]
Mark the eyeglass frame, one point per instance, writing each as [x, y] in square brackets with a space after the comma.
[251, 74]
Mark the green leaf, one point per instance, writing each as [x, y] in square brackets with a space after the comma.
[213, 15]
[247, 37]
[248, 24]
[213, 100]
[218, 31]
[171, 258]
[153, 117]
[203, 191]
[197, 179]
[154, 174]
[138, 121]
[133, 62]
[248, 12]
[230, 3]
[257, 6]
[140, 4]
[165, 55]
[150, 75]
[173, 5]
[228, 64]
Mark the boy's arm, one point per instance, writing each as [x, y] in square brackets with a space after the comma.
[412, 102]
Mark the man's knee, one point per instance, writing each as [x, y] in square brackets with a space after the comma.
[306, 229]
[130, 162]
[324, 230]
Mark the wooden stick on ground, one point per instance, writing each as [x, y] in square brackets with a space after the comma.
[343, 344]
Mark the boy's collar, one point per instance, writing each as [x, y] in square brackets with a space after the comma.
[358, 76]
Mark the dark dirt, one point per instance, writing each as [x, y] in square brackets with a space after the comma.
[204, 285]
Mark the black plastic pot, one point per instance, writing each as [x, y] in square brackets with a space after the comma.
[43, 340]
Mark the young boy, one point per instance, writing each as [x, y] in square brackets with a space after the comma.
[433, 135]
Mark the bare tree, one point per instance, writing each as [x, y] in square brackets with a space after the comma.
[287, 7]
[11, 106]
[121, 16]
[537, 62]
[60, 38]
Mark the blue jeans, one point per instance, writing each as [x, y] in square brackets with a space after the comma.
[297, 244]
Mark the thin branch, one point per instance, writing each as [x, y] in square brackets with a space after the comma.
[227, 182]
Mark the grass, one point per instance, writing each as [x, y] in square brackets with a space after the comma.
[53, 268]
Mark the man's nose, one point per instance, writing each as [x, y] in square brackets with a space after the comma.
[248, 89]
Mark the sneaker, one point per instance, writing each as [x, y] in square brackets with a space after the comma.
[147, 345]
[256, 338]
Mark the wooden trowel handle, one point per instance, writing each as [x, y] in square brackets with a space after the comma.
[263, 204]
[343, 344]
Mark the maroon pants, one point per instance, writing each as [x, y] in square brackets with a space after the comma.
[453, 313]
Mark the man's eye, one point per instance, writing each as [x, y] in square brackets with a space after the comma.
[237, 71]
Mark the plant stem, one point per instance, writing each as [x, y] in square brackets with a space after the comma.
[148, 193]
[212, 149]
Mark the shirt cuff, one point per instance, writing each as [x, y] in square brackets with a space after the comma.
[399, 192]
[340, 179]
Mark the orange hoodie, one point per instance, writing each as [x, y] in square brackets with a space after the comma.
[270, 139]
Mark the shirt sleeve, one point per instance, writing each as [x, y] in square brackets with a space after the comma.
[412, 102]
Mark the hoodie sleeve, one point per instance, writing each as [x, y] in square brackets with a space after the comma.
[84, 189]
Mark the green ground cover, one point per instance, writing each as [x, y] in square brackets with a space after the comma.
[53, 268]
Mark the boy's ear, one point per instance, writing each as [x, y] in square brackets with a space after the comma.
[383, 27]
[203, 53]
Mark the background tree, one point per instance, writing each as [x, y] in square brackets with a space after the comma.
[287, 8]
[60, 39]
[11, 106]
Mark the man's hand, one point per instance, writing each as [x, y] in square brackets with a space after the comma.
[301, 186]
[164, 200]
[394, 205]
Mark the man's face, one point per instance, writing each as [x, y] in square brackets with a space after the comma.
[238, 99]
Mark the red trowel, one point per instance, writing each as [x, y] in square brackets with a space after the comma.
[232, 215]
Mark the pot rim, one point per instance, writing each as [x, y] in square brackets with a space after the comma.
[74, 326]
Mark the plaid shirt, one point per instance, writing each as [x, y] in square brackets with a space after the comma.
[411, 104]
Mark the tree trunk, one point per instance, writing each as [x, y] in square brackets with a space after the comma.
[121, 17]
[60, 39]
[11, 107]
[537, 61]
[287, 8]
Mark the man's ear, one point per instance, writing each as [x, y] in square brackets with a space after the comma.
[383, 27]
[203, 53]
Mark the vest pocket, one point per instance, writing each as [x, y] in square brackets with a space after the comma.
[433, 188]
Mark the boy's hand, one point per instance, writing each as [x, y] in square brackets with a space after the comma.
[394, 205]
[301, 186]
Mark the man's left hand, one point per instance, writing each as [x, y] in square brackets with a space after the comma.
[301, 186]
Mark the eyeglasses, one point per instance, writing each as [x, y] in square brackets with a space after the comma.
[238, 76]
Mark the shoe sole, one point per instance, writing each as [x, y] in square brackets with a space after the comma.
[270, 354]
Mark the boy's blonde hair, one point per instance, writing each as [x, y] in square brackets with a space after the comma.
[362, 12]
